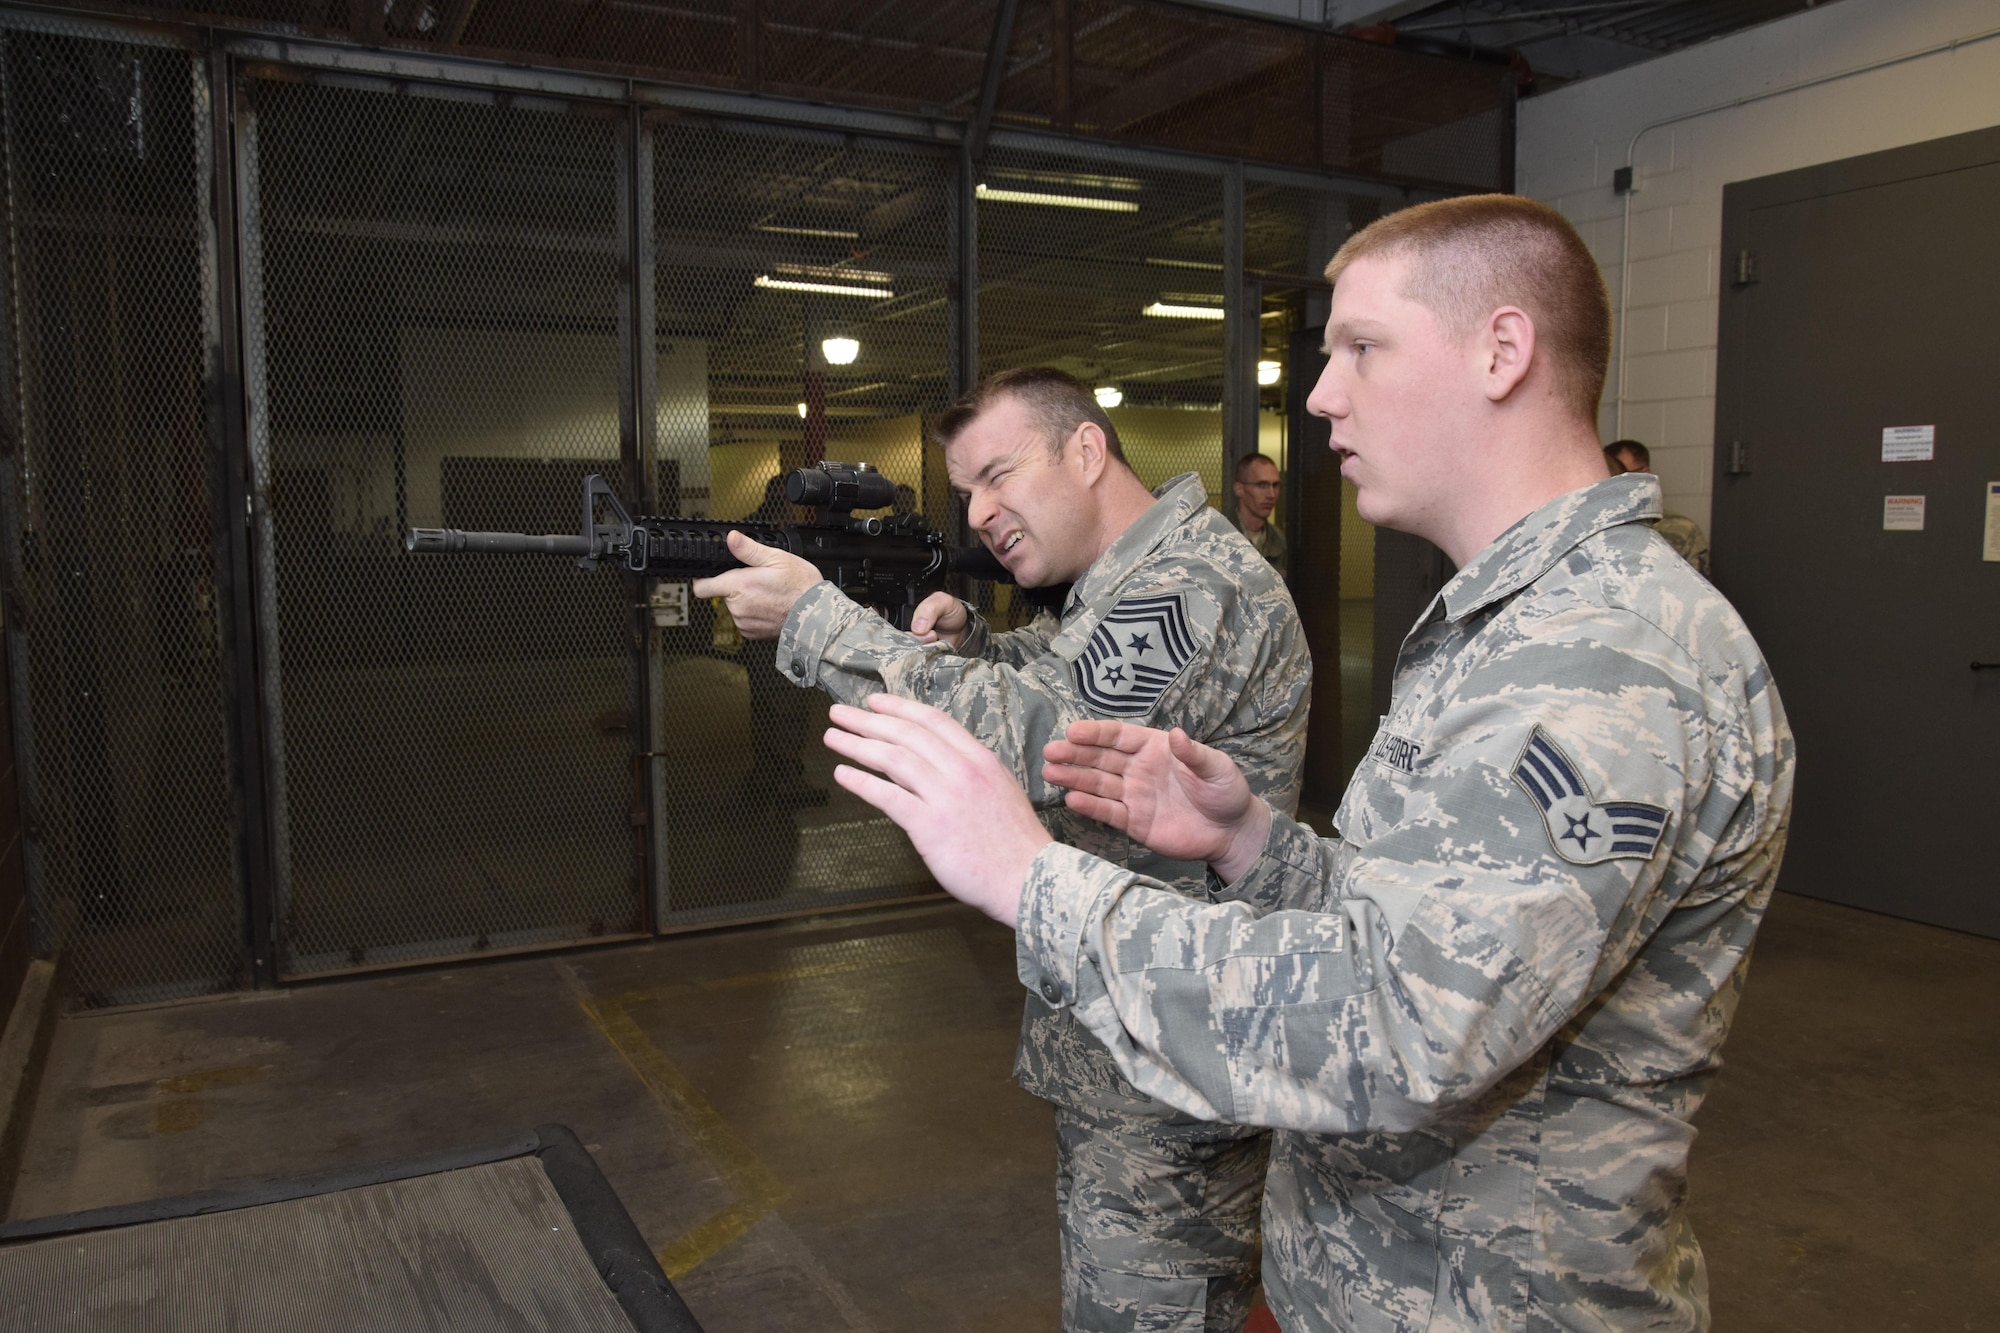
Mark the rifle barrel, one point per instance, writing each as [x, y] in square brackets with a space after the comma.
[452, 539]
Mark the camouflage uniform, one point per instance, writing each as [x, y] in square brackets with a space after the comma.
[1483, 1015]
[1687, 539]
[1269, 541]
[1179, 623]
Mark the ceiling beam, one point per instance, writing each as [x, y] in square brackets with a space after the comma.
[1365, 13]
[989, 85]
[1201, 68]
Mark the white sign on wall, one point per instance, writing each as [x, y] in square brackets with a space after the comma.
[1902, 513]
[1908, 444]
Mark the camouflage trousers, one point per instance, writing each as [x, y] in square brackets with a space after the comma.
[1159, 1222]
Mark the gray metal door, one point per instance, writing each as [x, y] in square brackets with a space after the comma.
[1858, 299]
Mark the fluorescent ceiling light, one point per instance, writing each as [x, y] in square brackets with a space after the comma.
[1164, 311]
[992, 195]
[1109, 396]
[822, 288]
[834, 273]
[831, 410]
[1069, 180]
[802, 409]
[840, 351]
[1268, 372]
[824, 233]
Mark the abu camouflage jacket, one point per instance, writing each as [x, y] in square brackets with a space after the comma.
[1482, 1016]
[1180, 623]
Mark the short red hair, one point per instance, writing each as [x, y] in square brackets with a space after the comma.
[1472, 255]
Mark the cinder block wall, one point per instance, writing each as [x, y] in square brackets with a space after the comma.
[1571, 141]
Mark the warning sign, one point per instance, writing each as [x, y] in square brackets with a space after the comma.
[1902, 513]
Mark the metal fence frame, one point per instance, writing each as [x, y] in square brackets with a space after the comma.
[242, 547]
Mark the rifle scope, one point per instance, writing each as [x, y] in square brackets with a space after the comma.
[840, 487]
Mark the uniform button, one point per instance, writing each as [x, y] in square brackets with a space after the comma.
[1051, 992]
[799, 669]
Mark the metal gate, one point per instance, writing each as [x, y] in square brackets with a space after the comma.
[804, 310]
[436, 306]
[108, 488]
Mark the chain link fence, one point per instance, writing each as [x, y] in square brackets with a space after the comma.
[1112, 270]
[108, 503]
[433, 338]
[804, 313]
[1289, 233]
[264, 315]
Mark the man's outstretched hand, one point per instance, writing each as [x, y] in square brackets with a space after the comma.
[760, 595]
[1176, 795]
[965, 814]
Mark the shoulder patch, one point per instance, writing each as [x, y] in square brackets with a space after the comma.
[1582, 830]
[1135, 653]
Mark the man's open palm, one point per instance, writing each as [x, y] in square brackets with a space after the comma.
[1176, 795]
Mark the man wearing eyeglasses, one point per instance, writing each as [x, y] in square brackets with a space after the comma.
[1256, 497]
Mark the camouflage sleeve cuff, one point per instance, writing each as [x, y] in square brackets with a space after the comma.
[977, 633]
[1062, 898]
[819, 617]
[1287, 874]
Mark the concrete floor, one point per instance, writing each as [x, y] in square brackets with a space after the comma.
[814, 1123]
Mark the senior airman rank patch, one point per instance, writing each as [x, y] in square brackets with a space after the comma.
[1135, 654]
[1582, 830]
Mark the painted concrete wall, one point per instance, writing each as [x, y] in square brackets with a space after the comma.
[492, 393]
[1570, 141]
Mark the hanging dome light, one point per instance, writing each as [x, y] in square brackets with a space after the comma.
[1109, 396]
[840, 351]
[1268, 372]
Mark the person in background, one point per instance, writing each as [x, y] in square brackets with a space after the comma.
[1256, 497]
[1632, 456]
[1682, 533]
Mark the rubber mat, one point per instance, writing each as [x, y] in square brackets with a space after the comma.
[527, 1236]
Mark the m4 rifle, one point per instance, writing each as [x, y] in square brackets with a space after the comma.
[891, 563]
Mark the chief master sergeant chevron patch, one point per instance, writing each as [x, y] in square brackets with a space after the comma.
[1582, 831]
[1134, 655]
